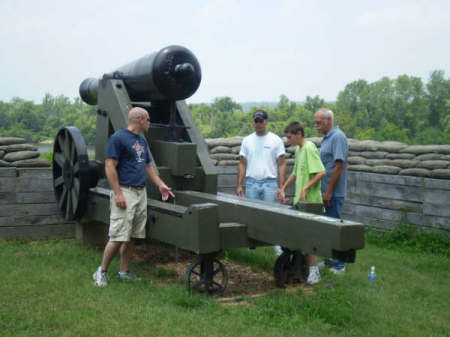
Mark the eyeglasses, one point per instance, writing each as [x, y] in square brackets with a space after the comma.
[258, 120]
[316, 122]
[145, 118]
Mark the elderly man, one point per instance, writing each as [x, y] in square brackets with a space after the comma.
[127, 166]
[262, 155]
[333, 153]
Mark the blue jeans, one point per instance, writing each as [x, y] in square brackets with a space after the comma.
[265, 189]
[335, 209]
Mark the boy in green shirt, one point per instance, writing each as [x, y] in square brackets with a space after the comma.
[307, 173]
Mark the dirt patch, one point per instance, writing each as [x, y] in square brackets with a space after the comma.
[166, 267]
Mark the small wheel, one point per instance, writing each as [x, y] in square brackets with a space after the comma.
[290, 266]
[207, 275]
[73, 174]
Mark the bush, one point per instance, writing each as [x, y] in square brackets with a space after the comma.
[413, 239]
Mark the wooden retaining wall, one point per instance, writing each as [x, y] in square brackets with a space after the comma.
[27, 205]
[382, 201]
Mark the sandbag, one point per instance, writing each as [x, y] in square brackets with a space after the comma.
[356, 160]
[362, 168]
[386, 169]
[418, 172]
[404, 163]
[220, 149]
[400, 155]
[420, 149]
[224, 156]
[441, 174]
[18, 147]
[374, 155]
[11, 140]
[20, 155]
[31, 163]
[434, 164]
[236, 149]
[430, 156]
[228, 163]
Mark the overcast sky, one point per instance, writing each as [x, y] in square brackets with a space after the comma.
[251, 50]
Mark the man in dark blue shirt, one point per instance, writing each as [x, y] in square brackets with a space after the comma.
[127, 166]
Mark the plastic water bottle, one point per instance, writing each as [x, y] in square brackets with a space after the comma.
[372, 278]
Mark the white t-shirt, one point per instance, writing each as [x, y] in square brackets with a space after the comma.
[261, 153]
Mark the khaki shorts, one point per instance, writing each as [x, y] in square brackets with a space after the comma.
[126, 223]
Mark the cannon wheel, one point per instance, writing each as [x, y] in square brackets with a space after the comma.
[207, 275]
[290, 266]
[71, 173]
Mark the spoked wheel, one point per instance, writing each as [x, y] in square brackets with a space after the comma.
[290, 266]
[207, 275]
[73, 174]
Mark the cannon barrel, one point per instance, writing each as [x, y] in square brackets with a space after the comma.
[172, 73]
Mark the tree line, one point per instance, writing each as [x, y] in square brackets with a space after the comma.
[402, 109]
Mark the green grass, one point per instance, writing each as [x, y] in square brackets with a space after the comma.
[46, 290]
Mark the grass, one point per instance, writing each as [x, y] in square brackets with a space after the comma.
[46, 290]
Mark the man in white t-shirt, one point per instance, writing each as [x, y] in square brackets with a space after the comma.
[262, 157]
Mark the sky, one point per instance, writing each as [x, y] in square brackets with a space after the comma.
[249, 50]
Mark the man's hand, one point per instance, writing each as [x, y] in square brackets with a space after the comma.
[326, 199]
[281, 195]
[240, 191]
[165, 192]
[120, 200]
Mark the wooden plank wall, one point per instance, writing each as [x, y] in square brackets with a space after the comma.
[27, 205]
[382, 201]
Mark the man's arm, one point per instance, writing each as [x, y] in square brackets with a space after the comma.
[335, 175]
[242, 167]
[154, 177]
[113, 180]
[282, 169]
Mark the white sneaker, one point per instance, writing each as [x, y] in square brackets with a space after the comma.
[278, 250]
[100, 278]
[313, 277]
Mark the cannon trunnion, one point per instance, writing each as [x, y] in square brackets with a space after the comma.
[202, 220]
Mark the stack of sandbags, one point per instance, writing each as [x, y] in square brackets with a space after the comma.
[14, 152]
[387, 157]
[398, 158]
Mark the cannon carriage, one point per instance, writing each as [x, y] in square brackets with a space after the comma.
[200, 219]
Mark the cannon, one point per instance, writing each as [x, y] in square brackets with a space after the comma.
[200, 219]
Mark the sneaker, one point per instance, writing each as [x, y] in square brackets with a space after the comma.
[338, 268]
[128, 276]
[99, 277]
[313, 277]
[278, 250]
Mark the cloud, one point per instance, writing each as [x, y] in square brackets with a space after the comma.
[408, 14]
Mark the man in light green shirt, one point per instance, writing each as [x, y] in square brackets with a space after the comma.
[307, 173]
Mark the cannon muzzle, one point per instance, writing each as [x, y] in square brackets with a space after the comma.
[173, 73]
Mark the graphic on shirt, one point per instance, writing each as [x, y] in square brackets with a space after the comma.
[139, 151]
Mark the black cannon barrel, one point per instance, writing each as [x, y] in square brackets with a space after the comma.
[172, 73]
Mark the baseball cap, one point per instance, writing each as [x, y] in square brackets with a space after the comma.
[260, 114]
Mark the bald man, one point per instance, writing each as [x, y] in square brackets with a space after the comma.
[127, 166]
